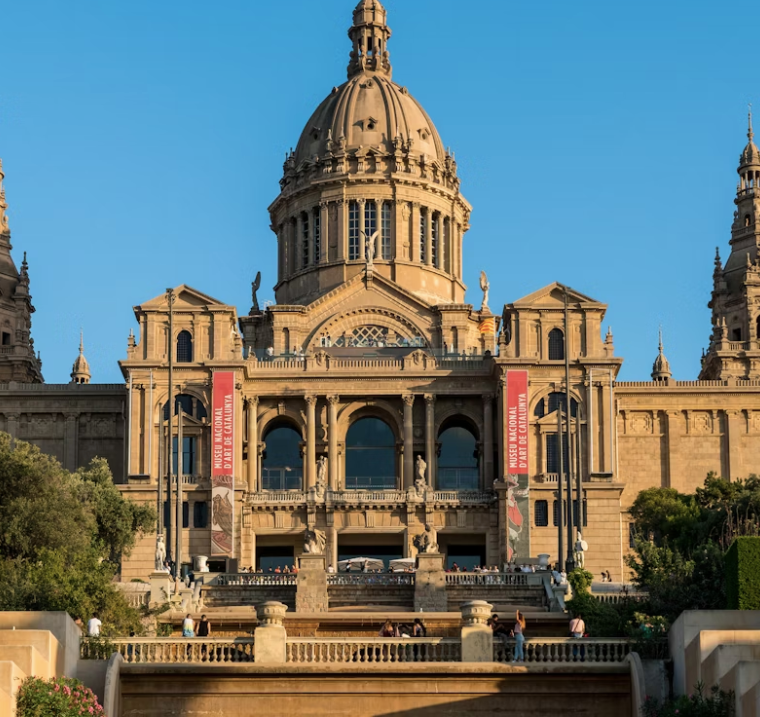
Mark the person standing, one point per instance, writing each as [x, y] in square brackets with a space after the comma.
[93, 626]
[188, 626]
[519, 635]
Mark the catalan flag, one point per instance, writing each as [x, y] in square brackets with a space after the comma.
[488, 326]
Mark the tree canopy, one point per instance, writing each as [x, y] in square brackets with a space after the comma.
[62, 535]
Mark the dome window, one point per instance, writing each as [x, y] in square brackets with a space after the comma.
[315, 133]
[747, 220]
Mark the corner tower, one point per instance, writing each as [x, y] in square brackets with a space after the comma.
[734, 350]
[18, 361]
[370, 182]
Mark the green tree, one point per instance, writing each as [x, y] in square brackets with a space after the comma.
[62, 535]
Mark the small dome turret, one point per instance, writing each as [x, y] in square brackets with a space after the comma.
[661, 367]
[80, 373]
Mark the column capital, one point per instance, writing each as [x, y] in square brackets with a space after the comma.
[408, 399]
[311, 401]
[361, 200]
[333, 400]
[429, 399]
[487, 398]
[323, 204]
[252, 401]
[72, 416]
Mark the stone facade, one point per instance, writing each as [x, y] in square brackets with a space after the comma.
[370, 323]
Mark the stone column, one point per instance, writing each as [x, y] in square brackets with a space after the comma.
[732, 448]
[342, 205]
[270, 637]
[324, 233]
[332, 441]
[253, 444]
[252, 561]
[673, 431]
[488, 439]
[401, 230]
[311, 442]
[408, 441]
[311, 584]
[430, 437]
[477, 636]
[70, 443]
[414, 234]
[430, 584]
[429, 238]
[12, 424]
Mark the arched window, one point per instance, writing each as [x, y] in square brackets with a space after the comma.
[370, 456]
[747, 220]
[282, 463]
[556, 345]
[190, 405]
[317, 227]
[385, 232]
[458, 461]
[184, 347]
[304, 240]
[550, 404]
[757, 329]
[435, 231]
[195, 410]
[423, 235]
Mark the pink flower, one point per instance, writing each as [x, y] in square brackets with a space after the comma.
[57, 688]
[91, 711]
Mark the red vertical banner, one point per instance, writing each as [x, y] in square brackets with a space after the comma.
[518, 465]
[223, 463]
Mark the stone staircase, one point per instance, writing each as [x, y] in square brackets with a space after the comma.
[504, 598]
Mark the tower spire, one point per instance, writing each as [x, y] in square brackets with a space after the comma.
[750, 132]
[369, 35]
[661, 367]
[3, 204]
[80, 372]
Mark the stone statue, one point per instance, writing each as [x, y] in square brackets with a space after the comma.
[322, 472]
[581, 546]
[314, 542]
[160, 554]
[255, 286]
[369, 250]
[421, 479]
[485, 287]
[427, 542]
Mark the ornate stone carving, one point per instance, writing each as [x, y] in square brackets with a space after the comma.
[427, 542]
[314, 542]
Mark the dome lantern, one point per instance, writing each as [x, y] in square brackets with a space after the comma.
[369, 34]
[661, 368]
[80, 373]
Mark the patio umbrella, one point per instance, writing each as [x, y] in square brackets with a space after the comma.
[402, 563]
[369, 563]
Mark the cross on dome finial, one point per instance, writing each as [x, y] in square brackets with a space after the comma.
[750, 132]
[369, 35]
[81, 341]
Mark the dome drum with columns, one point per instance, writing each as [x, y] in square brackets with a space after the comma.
[370, 180]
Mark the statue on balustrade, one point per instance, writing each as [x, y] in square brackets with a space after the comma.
[160, 554]
[581, 546]
[420, 482]
[314, 542]
[427, 542]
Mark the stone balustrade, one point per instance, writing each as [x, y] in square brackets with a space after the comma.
[354, 497]
[487, 579]
[369, 497]
[380, 579]
[465, 497]
[254, 579]
[376, 650]
[136, 594]
[277, 496]
[565, 649]
[170, 650]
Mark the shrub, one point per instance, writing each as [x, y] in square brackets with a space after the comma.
[62, 697]
[743, 574]
[718, 704]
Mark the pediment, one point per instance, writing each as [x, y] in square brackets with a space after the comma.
[187, 299]
[553, 297]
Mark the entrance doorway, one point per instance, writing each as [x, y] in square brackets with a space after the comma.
[381, 547]
[274, 557]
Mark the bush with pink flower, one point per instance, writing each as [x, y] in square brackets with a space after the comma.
[62, 697]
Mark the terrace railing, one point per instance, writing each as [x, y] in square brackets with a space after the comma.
[170, 650]
[564, 649]
[382, 579]
[310, 650]
[254, 579]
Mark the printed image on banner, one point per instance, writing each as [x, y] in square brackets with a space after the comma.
[222, 463]
[518, 465]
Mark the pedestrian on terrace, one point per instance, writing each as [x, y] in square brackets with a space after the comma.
[519, 634]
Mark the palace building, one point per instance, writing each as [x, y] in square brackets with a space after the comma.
[371, 400]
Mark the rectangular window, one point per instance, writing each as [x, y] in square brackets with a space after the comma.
[447, 248]
[575, 512]
[555, 517]
[552, 454]
[317, 236]
[188, 455]
[435, 229]
[200, 514]
[423, 236]
[6, 338]
[385, 239]
[353, 231]
[305, 240]
[185, 514]
[169, 517]
[631, 535]
[541, 513]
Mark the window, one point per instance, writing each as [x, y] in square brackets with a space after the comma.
[555, 511]
[169, 514]
[736, 335]
[353, 231]
[541, 513]
[304, 240]
[191, 406]
[189, 452]
[200, 514]
[552, 453]
[282, 463]
[556, 345]
[757, 331]
[6, 338]
[575, 513]
[447, 248]
[370, 456]
[423, 235]
[435, 231]
[385, 232]
[458, 461]
[317, 236]
[554, 400]
[747, 220]
[631, 535]
[370, 226]
[184, 347]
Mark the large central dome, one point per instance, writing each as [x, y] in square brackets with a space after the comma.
[370, 181]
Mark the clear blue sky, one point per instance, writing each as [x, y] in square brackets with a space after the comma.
[597, 141]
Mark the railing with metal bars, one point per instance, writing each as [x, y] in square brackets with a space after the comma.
[384, 579]
[254, 579]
